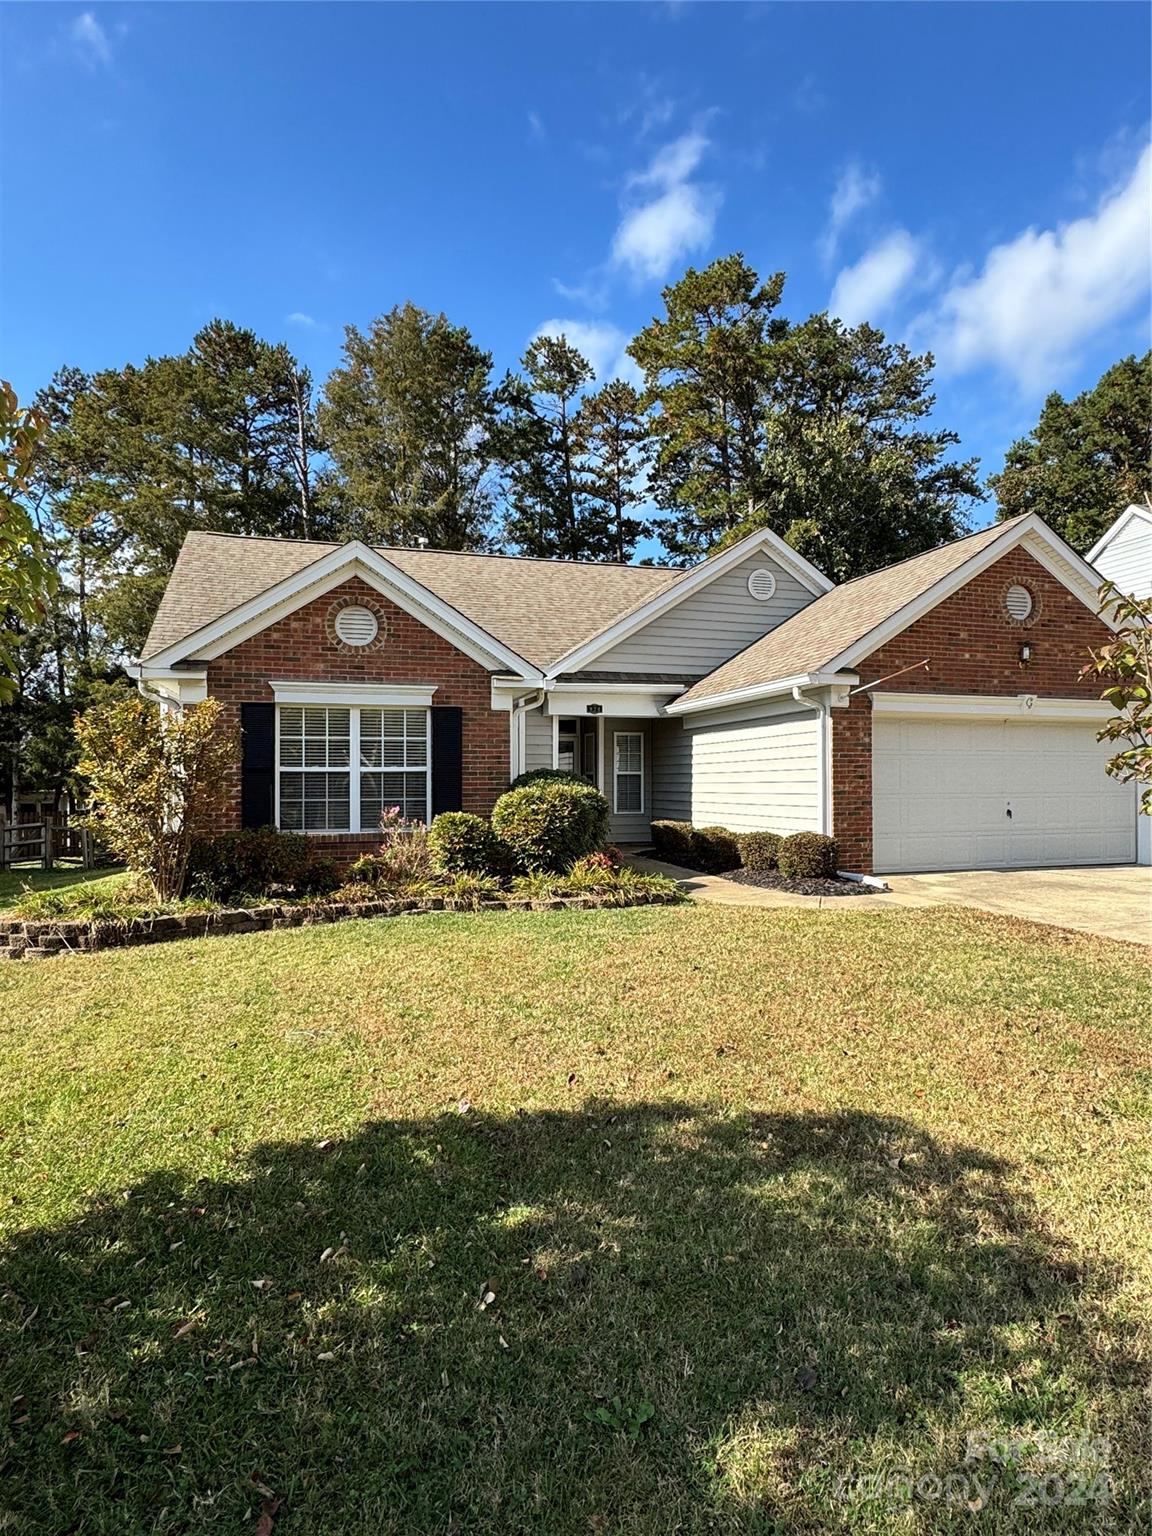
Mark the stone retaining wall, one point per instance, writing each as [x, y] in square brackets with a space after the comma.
[44, 938]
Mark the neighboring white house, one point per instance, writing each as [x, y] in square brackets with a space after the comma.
[1124, 554]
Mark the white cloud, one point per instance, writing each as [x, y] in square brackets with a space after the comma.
[298, 317]
[602, 343]
[536, 127]
[866, 289]
[1042, 295]
[91, 40]
[677, 220]
[855, 189]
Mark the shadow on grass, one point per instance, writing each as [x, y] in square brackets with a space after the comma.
[414, 1329]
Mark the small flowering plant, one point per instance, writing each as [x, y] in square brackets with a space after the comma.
[403, 858]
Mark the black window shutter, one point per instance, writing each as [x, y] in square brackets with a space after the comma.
[257, 765]
[447, 759]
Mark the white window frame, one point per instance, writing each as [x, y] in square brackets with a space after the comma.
[355, 767]
[616, 774]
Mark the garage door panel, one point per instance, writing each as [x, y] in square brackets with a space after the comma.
[942, 789]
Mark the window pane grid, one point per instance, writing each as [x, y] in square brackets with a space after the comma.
[391, 754]
[629, 756]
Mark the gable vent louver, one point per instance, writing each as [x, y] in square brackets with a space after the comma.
[356, 626]
[1018, 601]
[762, 584]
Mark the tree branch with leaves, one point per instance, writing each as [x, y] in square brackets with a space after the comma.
[1125, 664]
[26, 579]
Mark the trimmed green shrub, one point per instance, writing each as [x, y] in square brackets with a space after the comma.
[672, 840]
[252, 861]
[463, 844]
[544, 775]
[758, 850]
[808, 855]
[714, 850]
[549, 825]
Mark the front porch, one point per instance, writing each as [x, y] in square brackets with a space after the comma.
[608, 734]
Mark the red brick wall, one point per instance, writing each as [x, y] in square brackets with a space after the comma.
[973, 647]
[303, 645]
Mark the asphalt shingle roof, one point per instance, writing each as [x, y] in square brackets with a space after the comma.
[814, 637]
[541, 609]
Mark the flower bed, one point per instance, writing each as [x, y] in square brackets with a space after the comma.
[44, 938]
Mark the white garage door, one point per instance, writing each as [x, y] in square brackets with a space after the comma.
[972, 793]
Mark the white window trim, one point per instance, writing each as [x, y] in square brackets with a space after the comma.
[355, 769]
[373, 695]
[616, 775]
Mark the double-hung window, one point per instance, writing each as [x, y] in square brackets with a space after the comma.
[340, 766]
[629, 771]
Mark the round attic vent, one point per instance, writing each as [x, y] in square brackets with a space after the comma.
[1018, 601]
[356, 626]
[762, 584]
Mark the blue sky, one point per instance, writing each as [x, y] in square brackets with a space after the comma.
[972, 178]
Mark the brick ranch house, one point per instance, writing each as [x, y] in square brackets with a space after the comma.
[929, 716]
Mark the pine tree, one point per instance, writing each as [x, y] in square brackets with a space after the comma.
[707, 367]
[1086, 459]
[855, 477]
[538, 447]
[408, 420]
[615, 445]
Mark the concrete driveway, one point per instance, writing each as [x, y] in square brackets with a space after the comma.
[1114, 901]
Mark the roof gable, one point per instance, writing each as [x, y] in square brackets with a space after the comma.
[854, 619]
[527, 612]
[1133, 516]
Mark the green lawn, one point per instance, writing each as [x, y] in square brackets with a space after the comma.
[656, 1221]
[14, 882]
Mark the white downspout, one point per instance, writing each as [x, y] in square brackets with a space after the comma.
[823, 734]
[520, 708]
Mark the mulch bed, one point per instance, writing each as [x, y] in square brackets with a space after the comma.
[817, 885]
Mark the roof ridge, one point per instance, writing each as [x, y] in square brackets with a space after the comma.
[410, 549]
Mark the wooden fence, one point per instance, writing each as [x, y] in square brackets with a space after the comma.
[44, 843]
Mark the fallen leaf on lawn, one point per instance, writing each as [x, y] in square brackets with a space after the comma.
[326, 1354]
[261, 1285]
[268, 1512]
[463, 1106]
[326, 1255]
[487, 1299]
[182, 1328]
[72, 1435]
[503, 1341]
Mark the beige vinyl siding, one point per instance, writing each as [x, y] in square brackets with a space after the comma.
[710, 626]
[1127, 560]
[757, 774]
[626, 828]
[671, 771]
[537, 740]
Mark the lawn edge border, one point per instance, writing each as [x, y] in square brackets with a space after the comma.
[45, 938]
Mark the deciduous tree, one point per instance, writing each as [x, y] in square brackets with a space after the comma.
[153, 780]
